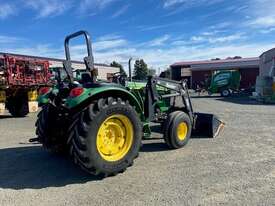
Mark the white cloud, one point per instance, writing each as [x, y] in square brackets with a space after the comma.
[265, 21]
[208, 33]
[198, 39]
[166, 56]
[180, 43]
[163, 56]
[87, 6]
[44, 50]
[267, 31]
[153, 27]
[260, 13]
[105, 43]
[52, 8]
[155, 57]
[179, 6]
[8, 39]
[188, 3]
[121, 11]
[159, 41]
[48, 8]
[229, 38]
[169, 3]
[166, 52]
[210, 38]
[222, 25]
[6, 10]
[109, 37]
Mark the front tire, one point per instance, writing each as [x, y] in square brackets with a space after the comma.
[225, 93]
[107, 137]
[177, 130]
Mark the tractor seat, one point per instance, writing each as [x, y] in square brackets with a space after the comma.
[86, 80]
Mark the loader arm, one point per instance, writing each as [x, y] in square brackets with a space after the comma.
[177, 89]
[203, 125]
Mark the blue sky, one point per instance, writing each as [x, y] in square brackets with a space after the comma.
[160, 31]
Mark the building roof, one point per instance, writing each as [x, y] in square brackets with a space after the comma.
[189, 63]
[220, 64]
[48, 59]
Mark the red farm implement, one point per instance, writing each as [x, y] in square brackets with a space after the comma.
[20, 79]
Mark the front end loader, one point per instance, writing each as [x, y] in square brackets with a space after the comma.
[101, 125]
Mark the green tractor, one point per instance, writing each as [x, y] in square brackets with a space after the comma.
[225, 82]
[101, 125]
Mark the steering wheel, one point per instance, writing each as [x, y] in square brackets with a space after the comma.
[120, 78]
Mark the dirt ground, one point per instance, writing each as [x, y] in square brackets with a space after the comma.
[236, 168]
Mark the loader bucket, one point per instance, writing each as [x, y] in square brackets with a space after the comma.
[206, 126]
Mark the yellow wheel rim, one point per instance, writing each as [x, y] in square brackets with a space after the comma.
[115, 138]
[182, 131]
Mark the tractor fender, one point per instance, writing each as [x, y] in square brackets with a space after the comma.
[81, 102]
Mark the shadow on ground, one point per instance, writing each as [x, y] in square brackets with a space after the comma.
[34, 168]
[6, 117]
[154, 147]
[11, 117]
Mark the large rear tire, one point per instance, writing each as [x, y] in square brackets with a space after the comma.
[18, 107]
[107, 137]
[53, 134]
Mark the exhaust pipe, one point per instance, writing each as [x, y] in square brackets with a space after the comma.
[130, 69]
[207, 125]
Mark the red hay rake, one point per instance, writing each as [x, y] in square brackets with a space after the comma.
[23, 71]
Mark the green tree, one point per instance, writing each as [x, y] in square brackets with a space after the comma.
[140, 70]
[116, 64]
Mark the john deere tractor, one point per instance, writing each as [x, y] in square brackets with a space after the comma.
[101, 125]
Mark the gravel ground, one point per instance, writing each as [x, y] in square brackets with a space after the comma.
[236, 168]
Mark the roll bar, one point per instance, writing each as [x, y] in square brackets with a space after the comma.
[74, 35]
[89, 60]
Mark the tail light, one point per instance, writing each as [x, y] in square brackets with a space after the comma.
[76, 92]
[44, 90]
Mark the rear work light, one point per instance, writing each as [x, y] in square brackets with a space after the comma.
[44, 90]
[76, 92]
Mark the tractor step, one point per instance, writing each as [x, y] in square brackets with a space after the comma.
[34, 140]
[207, 126]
